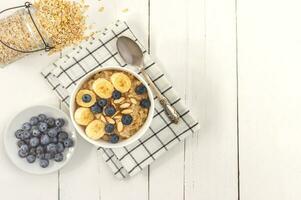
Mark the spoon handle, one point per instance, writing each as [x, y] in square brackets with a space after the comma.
[170, 111]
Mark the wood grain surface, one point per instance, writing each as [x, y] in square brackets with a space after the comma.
[236, 64]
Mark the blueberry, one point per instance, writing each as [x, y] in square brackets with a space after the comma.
[49, 156]
[51, 148]
[34, 121]
[60, 147]
[39, 150]
[53, 132]
[68, 143]
[86, 98]
[22, 154]
[34, 141]
[26, 126]
[59, 122]
[20, 143]
[26, 135]
[35, 131]
[44, 163]
[116, 94]
[50, 122]
[102, 102]
[109, 128]
[145, 103]
[31, 158]
[62, 136]
[45, 139]
[126, 119]
[27, 141]
[40, 156]
[96, 109]
[24, 148]
[19, 134]
[54, 140]
[140, 89]
[59, 157]
[114, 138]
[43, 127]
[32, 151]
[42, 117]
[110, 111]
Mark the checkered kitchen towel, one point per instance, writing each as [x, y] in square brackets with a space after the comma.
[162, 135]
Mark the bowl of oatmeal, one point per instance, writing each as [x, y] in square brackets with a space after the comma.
[112, 107]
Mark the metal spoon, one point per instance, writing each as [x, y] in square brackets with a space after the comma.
[133, 55]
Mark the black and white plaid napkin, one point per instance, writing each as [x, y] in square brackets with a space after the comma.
[101, 51]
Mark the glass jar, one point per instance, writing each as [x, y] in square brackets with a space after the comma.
[21, 34]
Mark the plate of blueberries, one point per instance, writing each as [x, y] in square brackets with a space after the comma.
[40, 139]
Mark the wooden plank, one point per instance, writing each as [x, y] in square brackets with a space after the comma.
[136, 187]
[22, 86]
[211, 155]
[80, 179]
[168, 39]
[269, 99]
[87, 176]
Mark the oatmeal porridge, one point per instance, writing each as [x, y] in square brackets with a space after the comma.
[112, 106]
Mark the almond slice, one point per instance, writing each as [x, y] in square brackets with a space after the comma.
[133, 100]
[127, 111]
[117, 112]
[117, 117]
[119, 127]
[125, 105]
[117, 101]
[102, 118]
[110, 120]
[98, 116]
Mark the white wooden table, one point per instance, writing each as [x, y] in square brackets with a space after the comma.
[237, 65]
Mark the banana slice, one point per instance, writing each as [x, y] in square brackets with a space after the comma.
[121, 82]
[85, 98]
[83, 116]
[103, 88]
[95, 130]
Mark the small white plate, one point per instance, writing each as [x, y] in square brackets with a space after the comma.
[10, 141]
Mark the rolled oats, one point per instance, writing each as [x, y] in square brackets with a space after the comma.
[61, 22]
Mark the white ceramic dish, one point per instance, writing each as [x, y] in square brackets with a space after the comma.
[102, 143]
[10, 142]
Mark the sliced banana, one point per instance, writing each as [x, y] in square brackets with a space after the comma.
[95, 130]
[103, 88]
[83, 116]
[121, 82]
[81, 102]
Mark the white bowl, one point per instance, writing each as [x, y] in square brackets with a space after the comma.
[10, 141]
[102, 143]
